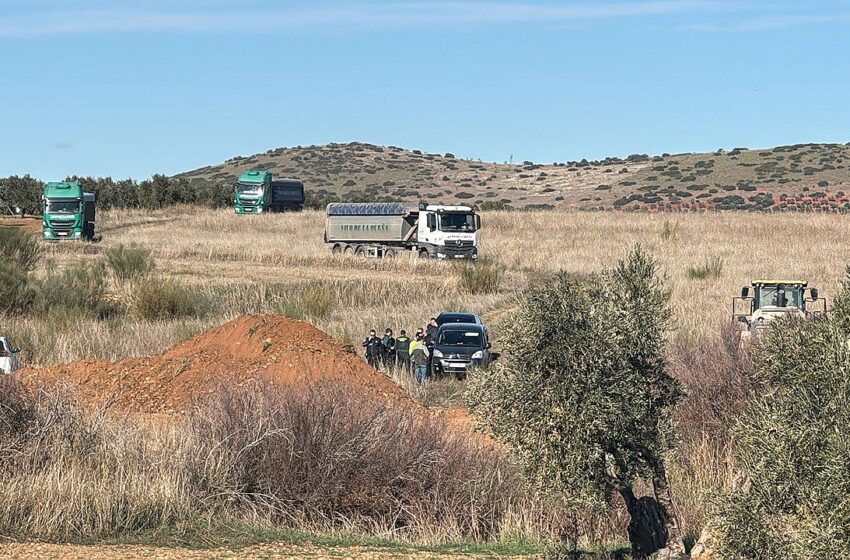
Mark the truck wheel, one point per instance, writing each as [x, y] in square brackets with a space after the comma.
[423, 254]
[348, 250]
[336, 250]
[360, 251]
[390, 254]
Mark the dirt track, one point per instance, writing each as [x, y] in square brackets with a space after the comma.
[264, 551]
[30, 223]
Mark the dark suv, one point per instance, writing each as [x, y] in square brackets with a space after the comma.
[457, 317]
[459, 346]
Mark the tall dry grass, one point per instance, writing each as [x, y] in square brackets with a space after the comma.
[317, 458]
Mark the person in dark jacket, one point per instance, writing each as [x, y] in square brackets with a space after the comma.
[402, 351]
[431, 333]
[374, 349]
[388, 349]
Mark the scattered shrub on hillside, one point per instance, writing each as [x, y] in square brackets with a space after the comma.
[481, 276]
[584, 398]
[711, 269]
[495, 205]
[157, 298]
[129, 262]
[19, 248]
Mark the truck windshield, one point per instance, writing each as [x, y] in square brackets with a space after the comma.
[248, 188]
[457, 222]
[466, 339]
[63, 206]
[770, 296]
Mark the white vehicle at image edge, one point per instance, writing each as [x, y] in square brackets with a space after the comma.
[8, 356]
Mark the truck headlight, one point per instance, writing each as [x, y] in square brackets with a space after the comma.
[437, 353]
[478, 355]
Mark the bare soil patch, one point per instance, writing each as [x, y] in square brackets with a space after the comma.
[281, 351]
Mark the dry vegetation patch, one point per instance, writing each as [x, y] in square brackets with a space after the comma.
[278, 264]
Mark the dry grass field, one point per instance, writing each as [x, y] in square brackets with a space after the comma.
[279, 263]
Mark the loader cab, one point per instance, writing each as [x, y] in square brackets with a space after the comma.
[780, 295]
[767, 300]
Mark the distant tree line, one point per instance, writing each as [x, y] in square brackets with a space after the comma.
[159, 191]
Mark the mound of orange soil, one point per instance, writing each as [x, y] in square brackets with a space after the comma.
[281, 351]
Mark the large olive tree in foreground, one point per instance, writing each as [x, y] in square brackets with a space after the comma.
[793, 496]
[583, 396]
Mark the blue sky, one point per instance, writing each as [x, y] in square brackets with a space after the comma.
[131, 88]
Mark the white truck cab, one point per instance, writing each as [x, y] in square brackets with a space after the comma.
[448, 232]
[8, 356]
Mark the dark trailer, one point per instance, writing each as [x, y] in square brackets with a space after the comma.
[286, 194]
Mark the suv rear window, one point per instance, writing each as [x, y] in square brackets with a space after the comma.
[461, 338]
[456, 318]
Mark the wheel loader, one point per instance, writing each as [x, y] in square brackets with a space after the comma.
[764, 301]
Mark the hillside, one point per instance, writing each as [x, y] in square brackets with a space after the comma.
[799, 177]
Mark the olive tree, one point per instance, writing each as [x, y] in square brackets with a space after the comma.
[792, 499]
[21, 192]
[583, 396]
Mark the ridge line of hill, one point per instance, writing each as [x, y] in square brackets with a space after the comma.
[809, 177]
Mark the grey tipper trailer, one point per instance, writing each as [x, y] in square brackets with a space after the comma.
[386, 229]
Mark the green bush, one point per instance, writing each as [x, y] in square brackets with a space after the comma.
[709, 270]
[129, 262]
[795, 445]
[584, 397]
[77, 290]
[19, 248]
[482, 276]
[156, 298]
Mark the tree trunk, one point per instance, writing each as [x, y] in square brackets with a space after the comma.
[647, 528]
[664, 497]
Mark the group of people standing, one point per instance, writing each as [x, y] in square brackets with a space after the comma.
[412, 355]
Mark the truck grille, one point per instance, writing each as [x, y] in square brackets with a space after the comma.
[460, 244]
[62, 227]
[248, 203]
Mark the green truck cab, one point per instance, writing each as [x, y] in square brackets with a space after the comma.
[67, 212]
[256, 192]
